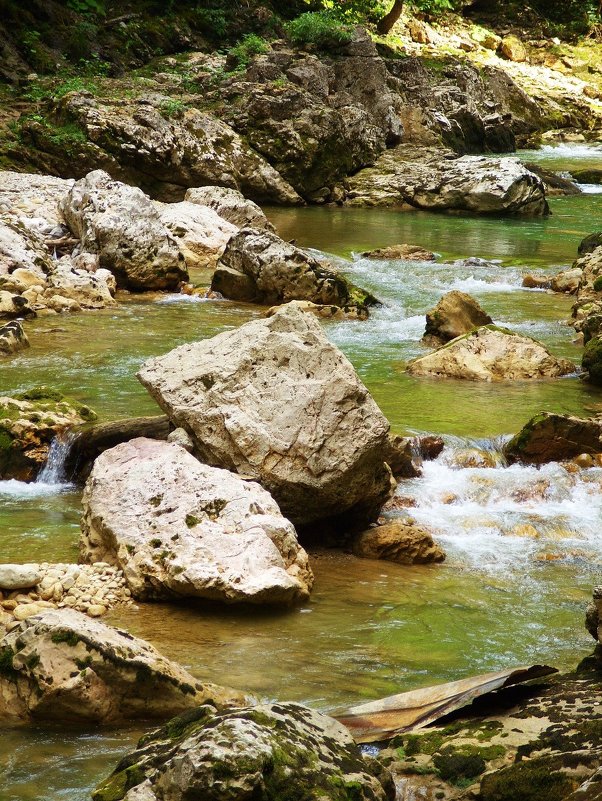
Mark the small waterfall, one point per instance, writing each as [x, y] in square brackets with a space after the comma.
[53, 471]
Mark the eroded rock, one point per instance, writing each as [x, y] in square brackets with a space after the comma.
[491, 354]
[549, 437]
[231, 205]
[60, 665]
[274, 400]
[179, 528]
[12, 338]
[201, 233]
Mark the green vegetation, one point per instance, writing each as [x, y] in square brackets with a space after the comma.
[242, 54]
[68, 637]
[321, 28]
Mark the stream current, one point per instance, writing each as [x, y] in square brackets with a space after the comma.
[524, 545]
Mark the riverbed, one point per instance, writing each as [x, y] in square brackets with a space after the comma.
[524, 545]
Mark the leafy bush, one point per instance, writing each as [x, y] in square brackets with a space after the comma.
[320, 28]
[242, 53]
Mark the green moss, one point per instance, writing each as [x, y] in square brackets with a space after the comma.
[33, 661]
[527, 781]
[455, 766]
[598, 284]
[117, 785]
[156, 543]
[192, 521]
[423, 743]
[519, 442]
[6, 439]
[592, 360]
[41, 393]
[86, 413]
[6, 663]
[68, 637]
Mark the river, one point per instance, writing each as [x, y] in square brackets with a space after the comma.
[524, 545]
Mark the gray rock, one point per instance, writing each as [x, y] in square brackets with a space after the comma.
[19, 577]
[274, 400]
[230, 205]
[178, 528]
[271, 751]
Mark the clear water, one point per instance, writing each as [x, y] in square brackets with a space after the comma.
[523, 545]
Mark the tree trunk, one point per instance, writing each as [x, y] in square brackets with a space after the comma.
[387, 22]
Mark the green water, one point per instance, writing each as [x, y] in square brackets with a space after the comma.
[371, 628]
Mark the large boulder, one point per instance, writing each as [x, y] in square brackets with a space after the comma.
[178, 528]
[12, 338]
[60, 665]
[437, 180]
[398, 541]
[29, 421]
[455, 314]
[14, 306]
[274, 400]
[272, 751]
[231, 205]
[257, 266]
[549, 437]
[491, 354]
[121, 224]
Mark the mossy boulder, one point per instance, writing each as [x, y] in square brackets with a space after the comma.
[551, 437]
[591, 360]
[589, 243]
[29, 421]
[272, 752]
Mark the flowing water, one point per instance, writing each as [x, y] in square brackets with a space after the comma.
[524, 545]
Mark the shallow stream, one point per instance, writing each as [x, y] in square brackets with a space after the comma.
[524, 545]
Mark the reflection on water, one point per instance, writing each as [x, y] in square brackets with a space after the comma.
[523, 545]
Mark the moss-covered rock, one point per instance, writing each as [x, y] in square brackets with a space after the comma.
[591, 360]
[275, 752]
[29, 421]
[551, 437]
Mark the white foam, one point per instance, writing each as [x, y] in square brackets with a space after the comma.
[591, 189]
[571, 150]
[473, 284]
[182, 298]
[23, 489]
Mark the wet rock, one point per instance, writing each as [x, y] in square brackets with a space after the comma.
[60, 665]
[551, 437]
[122, 225]
[266, 752]
[29, 421]
[12, 338]
[324, 311]
[536, 281]
[178, 528]
[258, 266]
[567, 281]
[436, 180]
[590, 175]
[275, 401]
[404, 252]
[401, 456]
[556, 185]
[455, 314]
[200, 232]
[231, 205]
[398, 541]
[590, 243]
[491, 354]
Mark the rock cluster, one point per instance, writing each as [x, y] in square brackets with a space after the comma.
[267, 752]
[274, 400]
[178, 528]
[28, 589]
[61, 665]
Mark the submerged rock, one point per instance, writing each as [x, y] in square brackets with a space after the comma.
[437, 180]
[60, 665]
[12, 338]
[29, 421]
[398, 541]
[549, 437]
[264, 753]
[121, 224]
[455, 314]
[275, 401]
[178, 528]
[491, 354]
[404, 252]
[258, 266]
